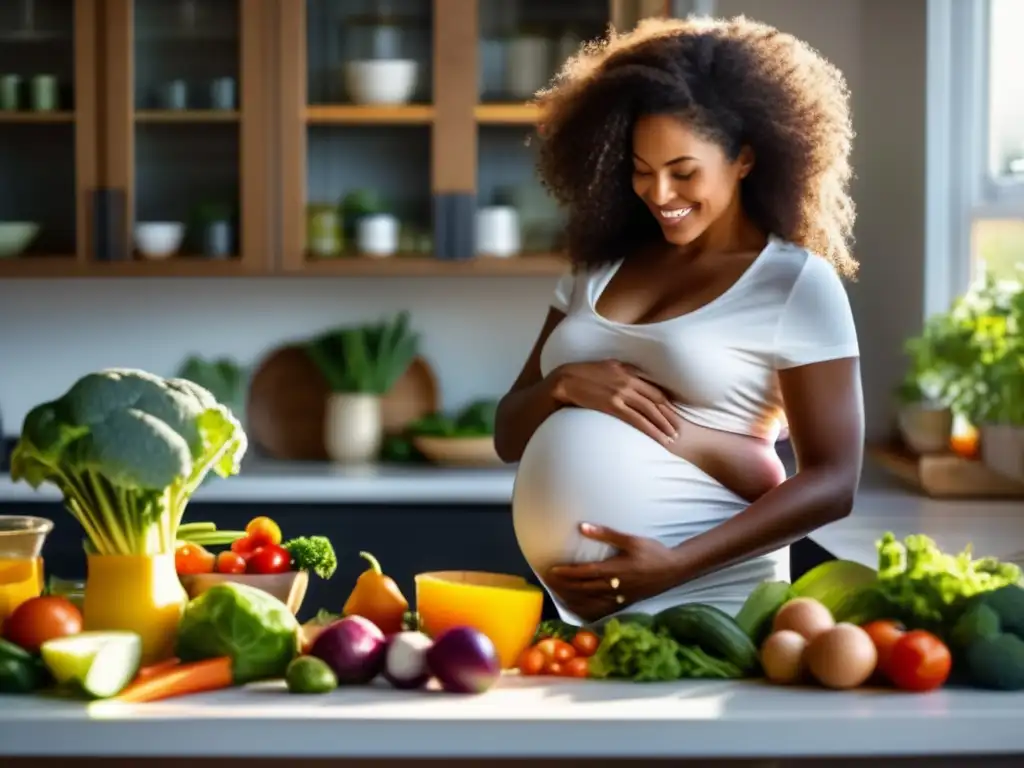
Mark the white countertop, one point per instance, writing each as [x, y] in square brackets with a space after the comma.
[525, 718]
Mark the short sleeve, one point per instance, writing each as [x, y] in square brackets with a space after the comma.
[817, 323]
[563, 292]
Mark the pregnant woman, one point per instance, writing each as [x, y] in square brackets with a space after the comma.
[704, 168]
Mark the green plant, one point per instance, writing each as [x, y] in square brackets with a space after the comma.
[366, 359]
[127, 449]
[223, 377]
[972, 357]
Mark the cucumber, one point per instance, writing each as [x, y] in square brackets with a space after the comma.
[713, 630]
[756, 615]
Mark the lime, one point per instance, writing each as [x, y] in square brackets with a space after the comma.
[308, 674]
[100, 663]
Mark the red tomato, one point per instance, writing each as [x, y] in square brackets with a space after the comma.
[585, 643]
[884, 634]
[547, 647]
[230, 562]
[554, 668]
[192, 558]
[269, 559]
[563, 652]
[263, 531]
[919, 662]
[531, 662]
[40, 619]
[578, 667]
[244, 546]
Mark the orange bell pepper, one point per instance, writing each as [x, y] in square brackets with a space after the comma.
[377, 597]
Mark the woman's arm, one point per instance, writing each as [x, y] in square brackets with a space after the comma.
[529, 402]
[825, 407]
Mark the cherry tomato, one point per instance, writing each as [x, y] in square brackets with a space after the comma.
[547, 648]
[554, 668]
[230, 562]
[919, 662]
[269, 559]
[40, 619]
[531, 662]
[884, 634]
[263, 531]
[244, 546]
[578, 667]
[585, 643]
[192, 558]
[563, 652]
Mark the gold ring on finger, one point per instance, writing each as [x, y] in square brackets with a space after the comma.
[619, 599]
[614, 582]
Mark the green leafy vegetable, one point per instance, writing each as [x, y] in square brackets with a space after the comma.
[475, 420]
[926, 588]
[127, 449]
[696, 664]
[253, 627]
[313, 553]
[223, 377]
[633, 652]
[558, 629]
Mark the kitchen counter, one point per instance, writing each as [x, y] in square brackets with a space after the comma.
[525, 718]
[994, 527]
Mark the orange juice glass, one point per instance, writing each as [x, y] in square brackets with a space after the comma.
[21, 564]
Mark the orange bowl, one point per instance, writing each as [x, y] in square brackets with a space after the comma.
[505, 608]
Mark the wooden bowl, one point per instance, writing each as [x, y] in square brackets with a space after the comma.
[459, 451]
[289, 588]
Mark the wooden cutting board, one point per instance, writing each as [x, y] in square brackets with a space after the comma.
[288, 397]
[945, 475]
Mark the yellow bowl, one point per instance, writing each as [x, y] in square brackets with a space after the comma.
[505, 608]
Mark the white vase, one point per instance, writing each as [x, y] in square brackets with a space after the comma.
[353, 428]
[1002, 450]
[926, 428]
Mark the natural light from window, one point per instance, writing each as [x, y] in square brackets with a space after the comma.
[998, 243]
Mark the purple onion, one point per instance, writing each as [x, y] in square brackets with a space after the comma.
[405, 660]
[464, 660]
[353, 647]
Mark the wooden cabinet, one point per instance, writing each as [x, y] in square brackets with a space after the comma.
[255, 130]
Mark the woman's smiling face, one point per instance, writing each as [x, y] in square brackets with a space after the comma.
[687, 181]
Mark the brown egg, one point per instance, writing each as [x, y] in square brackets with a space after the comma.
[843, 657]
[805, 616]
[782, 657]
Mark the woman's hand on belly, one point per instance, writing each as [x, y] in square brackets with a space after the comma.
[619, 390]
[641, 569]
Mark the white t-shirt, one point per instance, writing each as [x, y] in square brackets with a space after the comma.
[721, 360]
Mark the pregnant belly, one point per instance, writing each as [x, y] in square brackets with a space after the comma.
[586, 466]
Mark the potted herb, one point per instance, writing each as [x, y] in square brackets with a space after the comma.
[361, 365]
[216, 229]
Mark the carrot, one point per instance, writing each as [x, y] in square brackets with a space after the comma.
[155, 669]
[180, 680]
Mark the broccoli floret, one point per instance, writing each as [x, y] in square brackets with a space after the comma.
[127, 449]
[313, 553]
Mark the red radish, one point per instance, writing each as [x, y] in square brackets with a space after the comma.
[464, 660]
[353, 647]
[405, 660]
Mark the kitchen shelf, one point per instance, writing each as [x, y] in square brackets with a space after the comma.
[354, 114]
[506, 114]
[532, 265]
[39, 266]
[37, 117]
[187, 116]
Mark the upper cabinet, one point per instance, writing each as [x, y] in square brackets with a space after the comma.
[235, 137]
[48, 135]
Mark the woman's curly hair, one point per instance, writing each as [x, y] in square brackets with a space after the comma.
[738, 82]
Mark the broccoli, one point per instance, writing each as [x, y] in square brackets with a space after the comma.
[313, 553]
[128, 449]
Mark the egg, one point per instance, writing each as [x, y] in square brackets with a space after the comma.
[782, 657]
[843, 657]
[805, 616]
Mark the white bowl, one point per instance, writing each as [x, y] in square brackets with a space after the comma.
[15, 236]
[381, 81]
[159, 239]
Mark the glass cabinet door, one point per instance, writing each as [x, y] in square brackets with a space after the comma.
[48, 123]
[357, 88]
[188, 117]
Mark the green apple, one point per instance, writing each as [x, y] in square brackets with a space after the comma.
[100, 663]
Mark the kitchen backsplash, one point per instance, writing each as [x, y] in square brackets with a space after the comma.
[476, 331]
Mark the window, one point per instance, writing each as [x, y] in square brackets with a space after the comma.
[975, 145]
